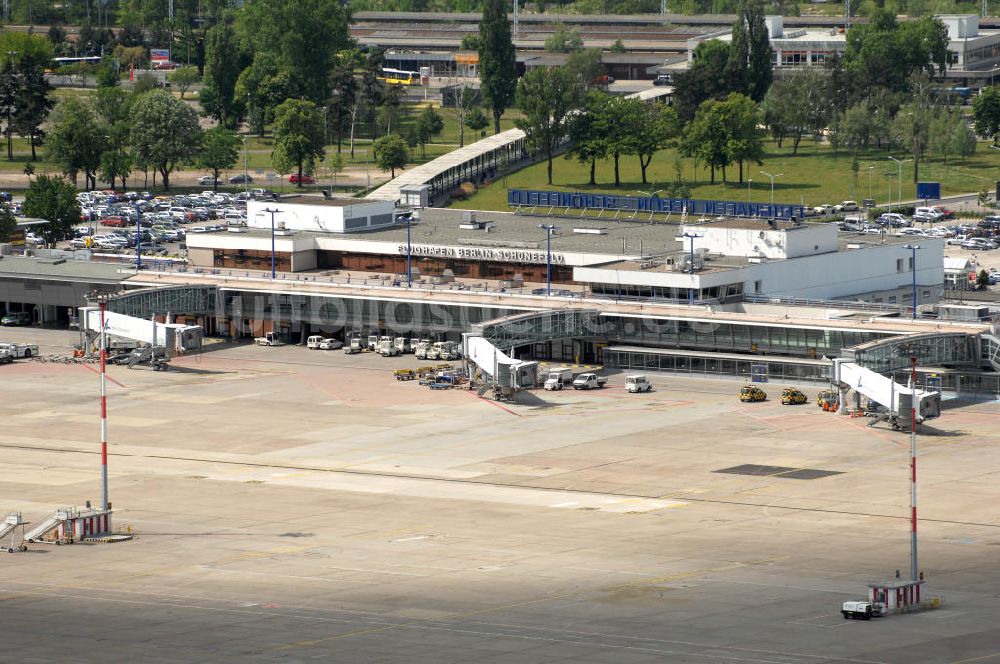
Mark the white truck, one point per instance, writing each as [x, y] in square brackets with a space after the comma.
[420, 351]
[356, 345]
[859, 611]
[403, 345]
[20, 350]
[558, 378]
[269, 339]
[637, 383]
[372, 341]
[589, 381]
[386, 348]
[444, 350]
[6, 357]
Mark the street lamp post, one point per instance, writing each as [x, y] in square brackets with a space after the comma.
[899, 162]
[272, 213]
[889, 177]
[138, 237]
[409, 272]
[749, 182]
[548, 228]
[870, 169]
[691, 237]
[773, 177]
[913, 267]
[246, 170]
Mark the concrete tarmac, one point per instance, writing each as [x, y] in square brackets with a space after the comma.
[294, 505]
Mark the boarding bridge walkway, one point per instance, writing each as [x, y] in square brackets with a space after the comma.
[895, 398]
[991, 349]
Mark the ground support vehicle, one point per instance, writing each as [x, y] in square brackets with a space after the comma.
[420, 350]
[752, 394]
[403, 344]
[313, 342]
[589, 381]
[558, 378]
[791, 396]
[16, 318]
[5, 357]
[269, 339]
[404, 374]
[859, 611]
[637, 383]
[386, 348]
[827, 399]
[20, 350]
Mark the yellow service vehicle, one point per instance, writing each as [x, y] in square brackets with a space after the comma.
[791, 396]
[404, 374]
[751, 393]
[828, 398]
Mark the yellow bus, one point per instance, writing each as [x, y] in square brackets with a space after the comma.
[399, 77]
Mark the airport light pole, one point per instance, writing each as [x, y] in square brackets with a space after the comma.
[912, 349]
[889, 177]
[409, 272]
[913, 266]
[899, 162]
[138, 237]
[691, 237]
[246, 170]
[548, 228]
[773, 177]
[749, 182]
[272, 213]
[870, 169]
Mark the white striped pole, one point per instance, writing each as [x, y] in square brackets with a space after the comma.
[104, 412]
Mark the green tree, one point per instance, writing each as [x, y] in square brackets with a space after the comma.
[706, 138]
[797, 105]
[298, 136]
[224, 60]
[760, 68]
[476, 120]
[431, 122]
[589, 139]
[911, 127]
[302, 37]
[497, 64]
[76, 140]
[654, 128]
[10, 86]
[546, 96]
[744, 141]
[986, 112]
[54, 199]
[115, 165]
[884, 53]
[587, 65]
[34, 102]
[706, 79]
[391, 153]
[183, 78]
[343, 95]
[470, 42]
[165, 132]
[220, 149]
[563, 40]
[8, 223]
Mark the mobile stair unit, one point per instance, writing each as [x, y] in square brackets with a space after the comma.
[71, 524]
[8, 527]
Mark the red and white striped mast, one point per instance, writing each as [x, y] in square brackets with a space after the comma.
[104, 411]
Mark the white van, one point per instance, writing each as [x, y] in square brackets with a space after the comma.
[637, 383]
[933, 214]
[314, 341]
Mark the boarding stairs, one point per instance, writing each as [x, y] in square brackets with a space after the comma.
[991, 350]
[48, 525]
[9, 524]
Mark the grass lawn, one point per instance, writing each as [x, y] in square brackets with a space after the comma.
[816, 175]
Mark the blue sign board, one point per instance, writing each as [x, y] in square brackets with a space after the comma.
[927, 191]
[694, 206]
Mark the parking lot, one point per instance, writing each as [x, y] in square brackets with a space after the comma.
[293, 505]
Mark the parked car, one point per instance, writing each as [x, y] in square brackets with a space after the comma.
[295, 178]
[241, 179]
[16, 318]
[208, 180]
[823, 209]
[893, 219]
[846, 206]
[330, 344]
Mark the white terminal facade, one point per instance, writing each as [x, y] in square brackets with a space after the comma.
[971, 49]
[628, 259]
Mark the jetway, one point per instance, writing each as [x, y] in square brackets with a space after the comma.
[897, 399]
[174, 337]
[508, 375]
